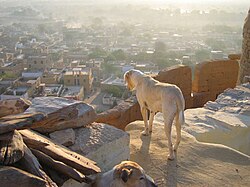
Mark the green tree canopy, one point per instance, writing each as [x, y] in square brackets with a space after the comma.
[160, 47]
[97, 53]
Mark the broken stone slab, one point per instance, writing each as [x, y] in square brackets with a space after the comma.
[11, 148]
[104, 144]
[20, 121]
[65, 137]
[61, 113]
[236, 101]
[13, 106]
[11, 177]
[225, 121]
[219, 127]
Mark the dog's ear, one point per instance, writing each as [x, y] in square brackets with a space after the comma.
[127, 78]
[125, 174]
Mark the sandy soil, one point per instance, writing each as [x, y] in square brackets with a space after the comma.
[196, 164]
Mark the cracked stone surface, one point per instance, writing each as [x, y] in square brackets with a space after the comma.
[102, 143]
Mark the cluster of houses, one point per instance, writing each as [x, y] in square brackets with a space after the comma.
[58, 62]
[58, 65]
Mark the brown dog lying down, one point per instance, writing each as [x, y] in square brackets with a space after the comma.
[125, 174]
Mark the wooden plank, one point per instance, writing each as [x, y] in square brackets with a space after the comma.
[11, 148]
[59, 153]
[30, 164]
[60, 167]
[12, 177]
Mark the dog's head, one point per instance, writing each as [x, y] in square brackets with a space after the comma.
[131, 78]
[129, 173]
[128, 80]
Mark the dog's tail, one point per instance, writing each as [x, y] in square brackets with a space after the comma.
[181, 119]
[180, 108]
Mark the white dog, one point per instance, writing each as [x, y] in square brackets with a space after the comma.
[125, 174]
[156, 97]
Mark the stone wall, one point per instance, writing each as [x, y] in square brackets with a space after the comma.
[212, 78]
[121, 115]
[244, 73]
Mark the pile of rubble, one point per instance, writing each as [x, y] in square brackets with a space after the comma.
[33, 140]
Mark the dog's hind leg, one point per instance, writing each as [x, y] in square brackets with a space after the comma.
[168, 121]
[151, 119]
[179, 121]
[144, 113]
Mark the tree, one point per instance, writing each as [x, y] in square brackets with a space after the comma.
[97, 23]
[41, 28]
[116, 91]
[202, 54]
[215, 44]
[109, 68]
[160, 47]
[119, 54]
[97, 53]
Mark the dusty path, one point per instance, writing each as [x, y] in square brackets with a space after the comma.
[197, 164]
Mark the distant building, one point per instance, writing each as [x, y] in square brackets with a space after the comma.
[54, 90]
[113, 82]
[22, 88]
[79, 77]
[53, 76]
[108, 99]
[73, 92]
[38, 62]
[127, 68]
[217, 55]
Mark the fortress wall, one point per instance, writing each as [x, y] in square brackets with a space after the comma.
[211, 78]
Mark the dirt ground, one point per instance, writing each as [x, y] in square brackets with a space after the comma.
[196, 164]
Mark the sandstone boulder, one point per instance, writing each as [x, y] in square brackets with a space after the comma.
[61, 113]
[13, 106]
[225, 121]
[11, 148]
[12, 177]
[65, 137]
[122, 114]
[104, 144]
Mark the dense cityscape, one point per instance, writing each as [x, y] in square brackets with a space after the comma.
[81, 51]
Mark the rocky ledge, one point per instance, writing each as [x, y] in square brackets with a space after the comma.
[196, 163]
[225, 121]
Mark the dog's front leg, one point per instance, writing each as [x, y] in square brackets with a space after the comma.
[151, 119]
[144, 113]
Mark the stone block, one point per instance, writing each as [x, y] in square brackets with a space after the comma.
[121, 115]
[13, 106]
[224, 121]
[234, 56]
[61, 113]
[103, 143]
[64, 137]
